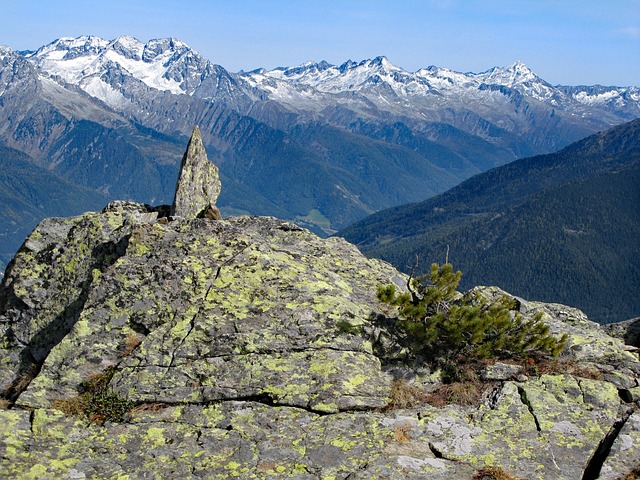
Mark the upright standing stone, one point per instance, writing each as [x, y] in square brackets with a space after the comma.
[198, 183]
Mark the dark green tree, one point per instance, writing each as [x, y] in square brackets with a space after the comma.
[452, 328]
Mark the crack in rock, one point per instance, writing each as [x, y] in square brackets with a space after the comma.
[436, 453]
[594, 466]
[527, 403]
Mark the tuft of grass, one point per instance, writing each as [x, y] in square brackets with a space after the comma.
[131, 342]
[552, 366]
[402, 433]
[464, 393]
[466, 390]
[4, 404]
[493, 473]
[149, 407]
[96, 401]
[71, 406]
[405, 395]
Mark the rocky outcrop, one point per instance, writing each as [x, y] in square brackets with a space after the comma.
[250, 348]
[245, 309]
[198, 183]
[629, 331]
[144, 342]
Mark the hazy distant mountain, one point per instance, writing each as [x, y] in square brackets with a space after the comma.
[562, 227]
[319, 144]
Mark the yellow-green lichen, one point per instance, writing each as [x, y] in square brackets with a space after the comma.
[155, 437]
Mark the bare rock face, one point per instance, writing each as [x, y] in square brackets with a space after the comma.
[198, 184]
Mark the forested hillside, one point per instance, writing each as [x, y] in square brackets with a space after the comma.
[561, 228]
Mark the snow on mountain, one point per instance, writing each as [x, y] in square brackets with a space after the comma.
[15, 71]
[105, 69]
[606, 96]
[5, 56]
[369, 75]
[444, 79]
[139, 79]
[93, 64]
[348, 77]
[513, 75]
[521, 78]
[5, 51]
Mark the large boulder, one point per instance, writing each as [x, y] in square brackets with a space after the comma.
[194, 311]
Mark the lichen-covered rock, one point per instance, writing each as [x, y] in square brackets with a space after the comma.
[500, 371]
[228, 440]
[250, 348]
[46, 287]
[198, 184]
[199, 311]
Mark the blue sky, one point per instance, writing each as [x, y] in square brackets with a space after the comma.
[564, 41]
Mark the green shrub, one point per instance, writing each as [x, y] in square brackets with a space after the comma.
[452, 328]
[97, 401]
[344, 326]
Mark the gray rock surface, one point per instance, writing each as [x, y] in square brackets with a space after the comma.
[629, 331]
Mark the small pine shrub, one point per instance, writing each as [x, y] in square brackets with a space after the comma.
[451, 328]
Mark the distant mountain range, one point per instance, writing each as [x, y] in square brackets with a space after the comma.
[319, 144]
[561, 227]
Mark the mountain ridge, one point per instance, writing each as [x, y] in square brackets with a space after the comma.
[176, 56]
[407, 135]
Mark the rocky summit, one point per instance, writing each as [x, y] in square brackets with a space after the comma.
[140, 344]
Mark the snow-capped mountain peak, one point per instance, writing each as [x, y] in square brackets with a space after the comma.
[68, 48]
[327, 78]
[521, 78]
[515, 74]
[5, 51]
[90, 62]
[128, 47]
[381, 62]
[161, 46]
[305, 70]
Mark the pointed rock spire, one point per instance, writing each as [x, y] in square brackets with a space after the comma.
[198, 184]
